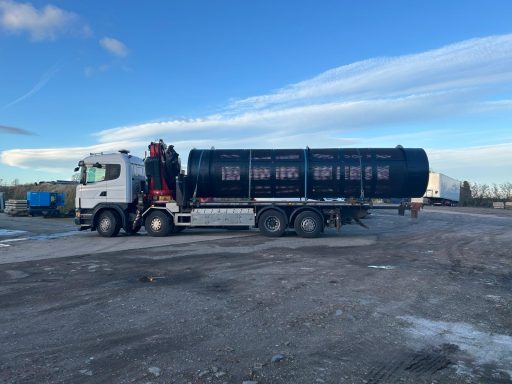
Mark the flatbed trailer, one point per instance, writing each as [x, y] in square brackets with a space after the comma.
[273, 218]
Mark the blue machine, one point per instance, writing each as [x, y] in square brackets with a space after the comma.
[44, 203]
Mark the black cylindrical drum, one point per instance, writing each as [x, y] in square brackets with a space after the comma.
[308, 173]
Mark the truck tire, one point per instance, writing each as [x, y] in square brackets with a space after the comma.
[107, 224]
[158, 224]
[272, 223]
[308, 224]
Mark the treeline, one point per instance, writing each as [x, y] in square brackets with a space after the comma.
[483, 195]
[471, 194]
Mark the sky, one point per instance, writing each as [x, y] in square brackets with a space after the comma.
[78, 77]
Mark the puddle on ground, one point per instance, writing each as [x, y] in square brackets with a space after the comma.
[10, 232]
[16, 274]
[49, 236]
[53, 235]
[382, 266]
[483, 347]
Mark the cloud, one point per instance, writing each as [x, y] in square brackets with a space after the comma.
[458, 67]
[408, 99]
[57, 160]
[327, 117]
[114, 46]
[453, 81]
[486, 164]
[45, 78]
[14, 130]
[47, 23]
[91, 71]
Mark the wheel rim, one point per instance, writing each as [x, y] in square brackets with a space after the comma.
[156, 224]
[104, 224]
[272, 224]
[308, 224]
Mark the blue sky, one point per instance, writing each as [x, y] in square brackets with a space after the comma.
[79, 77]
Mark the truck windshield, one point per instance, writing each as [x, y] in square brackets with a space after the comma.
[94, 174]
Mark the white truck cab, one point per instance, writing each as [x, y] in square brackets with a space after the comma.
[108, 182]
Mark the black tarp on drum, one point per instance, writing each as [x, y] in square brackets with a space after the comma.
[309, 173]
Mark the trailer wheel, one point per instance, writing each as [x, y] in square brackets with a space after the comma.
[272, 223]
[308, 224]
[108, 225]
[158, 224]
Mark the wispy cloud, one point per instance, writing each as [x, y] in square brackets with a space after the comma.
[332, 117]
[45, 78]
[14, 130]
[114, 46]
[58, 159]
[458, 67]
[46, 23]
[340, 106]
[91, 71]
[453, 81]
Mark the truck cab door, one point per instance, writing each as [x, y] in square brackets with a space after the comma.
[94, 191]
[117, 183]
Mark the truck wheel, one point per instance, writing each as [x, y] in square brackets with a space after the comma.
[272, 223]
[308, 224]
[108, 225]
[158, 224]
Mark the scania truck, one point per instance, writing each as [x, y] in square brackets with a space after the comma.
[274, 190]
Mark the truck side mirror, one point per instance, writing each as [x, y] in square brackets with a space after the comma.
[77, 169]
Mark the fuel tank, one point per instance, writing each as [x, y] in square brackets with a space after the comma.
[308, 173]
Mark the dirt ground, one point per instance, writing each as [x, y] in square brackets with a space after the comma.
[405, 301]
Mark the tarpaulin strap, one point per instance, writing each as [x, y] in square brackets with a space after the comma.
[361, 173]
[306, 171]
[250, 171]
[197, 178]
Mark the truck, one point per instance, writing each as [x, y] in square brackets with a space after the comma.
[274, 190]
[44, 203]
[442, 190]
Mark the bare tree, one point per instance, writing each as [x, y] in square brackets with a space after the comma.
[506, 190]
[480, 193]
[484, 194]
[495, 192]
[76, 177]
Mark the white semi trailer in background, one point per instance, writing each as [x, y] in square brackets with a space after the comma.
[441, 190]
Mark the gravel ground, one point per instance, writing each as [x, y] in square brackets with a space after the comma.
[405, 301]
